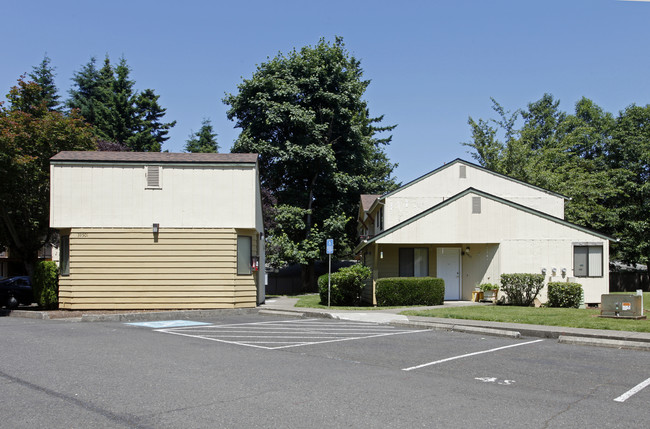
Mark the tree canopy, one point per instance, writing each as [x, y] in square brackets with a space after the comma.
[106, 98]
[43, 75]
[600, 161]
[204, 140]
[304, 113]
[30, 134]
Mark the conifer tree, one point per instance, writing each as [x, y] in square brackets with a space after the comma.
[204, 140]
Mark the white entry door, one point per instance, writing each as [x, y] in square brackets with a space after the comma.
[449, 270]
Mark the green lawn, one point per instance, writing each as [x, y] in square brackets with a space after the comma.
[569, 317]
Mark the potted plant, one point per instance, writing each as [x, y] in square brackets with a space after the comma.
[490, 291]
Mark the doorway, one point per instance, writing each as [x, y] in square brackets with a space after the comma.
[449, 270]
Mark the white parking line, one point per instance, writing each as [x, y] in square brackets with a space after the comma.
[636, 389]
[286, 334]
[468, 355]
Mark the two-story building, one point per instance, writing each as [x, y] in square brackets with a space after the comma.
[468, 225]
[158, 230]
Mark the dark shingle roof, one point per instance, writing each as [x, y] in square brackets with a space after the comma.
[154, 157]
[367, 200]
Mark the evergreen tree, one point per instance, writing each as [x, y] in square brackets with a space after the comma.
[43, 75]
[204, 140]
[106, 98]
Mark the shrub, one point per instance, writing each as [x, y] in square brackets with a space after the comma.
[46, 284]
[488, 286]
[563, 294]
[346, 285]
[410, 291]
[522, 288]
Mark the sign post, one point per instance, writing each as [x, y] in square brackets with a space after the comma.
[329, 248]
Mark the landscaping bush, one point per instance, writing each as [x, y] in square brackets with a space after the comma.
[522, 288]
[488, 286]
[346, 285]
[396, 291]
[46, 284]
[563, 294]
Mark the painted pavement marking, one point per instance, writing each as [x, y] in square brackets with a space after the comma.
[274, 335]
[469, 354]
[167, 324]
[636, 389]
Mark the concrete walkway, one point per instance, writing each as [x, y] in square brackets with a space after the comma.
[595, 337]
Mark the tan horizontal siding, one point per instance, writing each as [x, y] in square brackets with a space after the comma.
[148, 306]
[133, 269]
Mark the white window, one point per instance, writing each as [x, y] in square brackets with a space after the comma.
[588, 260]
[244, 254]
[153, 174]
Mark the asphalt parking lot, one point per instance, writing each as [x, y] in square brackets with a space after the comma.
[265, 371]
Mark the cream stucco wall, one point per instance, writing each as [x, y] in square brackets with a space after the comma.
[98, 195]
[446, 182]
[502, 239]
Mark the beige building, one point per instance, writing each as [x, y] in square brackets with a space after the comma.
[158, 230]
[468, 225]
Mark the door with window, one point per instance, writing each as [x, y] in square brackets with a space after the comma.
[448, 261]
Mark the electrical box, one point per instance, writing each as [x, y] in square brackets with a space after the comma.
[622, 306]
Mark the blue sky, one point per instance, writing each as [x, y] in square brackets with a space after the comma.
[432, 63]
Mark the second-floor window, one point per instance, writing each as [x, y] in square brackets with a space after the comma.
[379, 223]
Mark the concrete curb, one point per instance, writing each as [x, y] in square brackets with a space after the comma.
[164, 315]
[282, 313]
[604, 342]
[460, 328]
[26, 314]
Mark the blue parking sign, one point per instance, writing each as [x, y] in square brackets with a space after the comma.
[330, 246]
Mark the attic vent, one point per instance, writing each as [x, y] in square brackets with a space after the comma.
[153, 176]
[476, 205]
[463, 172]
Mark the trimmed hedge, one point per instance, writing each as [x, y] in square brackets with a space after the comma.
[564, 294]
[46, 284]
[346, 285]
[522, 288]
[396, 291]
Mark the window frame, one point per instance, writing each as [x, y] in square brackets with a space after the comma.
[588, 259]
[410, 252]
[247, 259]
[64, 255]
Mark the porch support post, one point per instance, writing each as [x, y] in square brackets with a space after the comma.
[375, 273]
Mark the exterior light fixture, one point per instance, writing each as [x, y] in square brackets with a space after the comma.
[554, 271]
[156, 228]
[467, 250]
[544, 271]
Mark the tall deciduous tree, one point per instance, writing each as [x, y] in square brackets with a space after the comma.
[304, 113]
[30, 135]
[106, 98]
[204, 140]
[601, 162]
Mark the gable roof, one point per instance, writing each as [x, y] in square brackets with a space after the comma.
[457, 161]
[367, 200]
[154, 157]
[485, 195]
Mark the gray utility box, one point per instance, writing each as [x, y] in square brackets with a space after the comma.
[624, 306]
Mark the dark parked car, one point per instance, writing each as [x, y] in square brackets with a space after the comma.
[15, 290]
